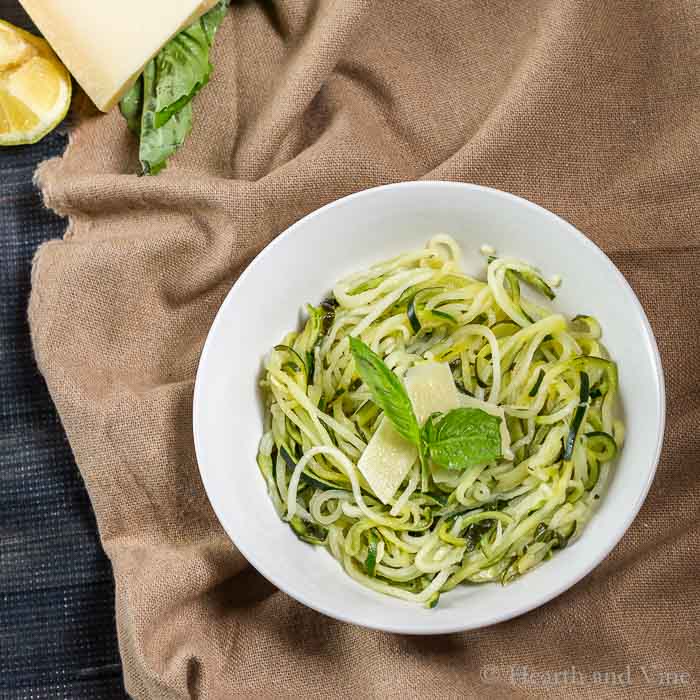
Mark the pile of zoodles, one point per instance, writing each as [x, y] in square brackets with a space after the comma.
[550, 378]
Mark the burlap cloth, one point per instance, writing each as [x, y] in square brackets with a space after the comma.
[588, 108]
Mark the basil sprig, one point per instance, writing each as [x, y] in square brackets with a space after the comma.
[458, 439]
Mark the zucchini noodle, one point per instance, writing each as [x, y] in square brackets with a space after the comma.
[548, 379]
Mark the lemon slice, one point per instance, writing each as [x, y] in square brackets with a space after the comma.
[35, 87]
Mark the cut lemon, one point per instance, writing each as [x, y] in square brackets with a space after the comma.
[35, 87]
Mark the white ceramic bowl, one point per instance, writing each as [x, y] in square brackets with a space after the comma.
[300, 266]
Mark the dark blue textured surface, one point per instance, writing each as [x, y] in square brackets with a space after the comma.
[57, 637]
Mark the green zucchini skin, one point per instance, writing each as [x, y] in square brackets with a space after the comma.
[306, 532]
[421, 318]
[295, 363]
[602, 445]
[578, 416]
[537, 384]
[413, 316]
[371, 561]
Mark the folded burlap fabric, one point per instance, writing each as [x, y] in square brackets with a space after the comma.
[588, 108]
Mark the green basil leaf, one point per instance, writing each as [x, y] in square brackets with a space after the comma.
[182, 65]
[212, 19]
[387, 391]
[462, 438]
[131, 106]
[429, 431]
[156, 145]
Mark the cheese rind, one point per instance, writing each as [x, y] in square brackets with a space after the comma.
[105, 45]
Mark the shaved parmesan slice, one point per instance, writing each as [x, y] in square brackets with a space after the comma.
[432, 389]
[386, 460]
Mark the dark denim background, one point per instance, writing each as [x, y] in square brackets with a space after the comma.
[57, 637]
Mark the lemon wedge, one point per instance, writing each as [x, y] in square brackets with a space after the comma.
[35, 87]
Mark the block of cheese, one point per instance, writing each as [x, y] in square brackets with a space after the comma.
[388, 457]
[105, 45]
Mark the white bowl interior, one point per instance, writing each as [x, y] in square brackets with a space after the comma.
[300, 266]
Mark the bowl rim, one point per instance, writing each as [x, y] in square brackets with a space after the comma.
[496, 617]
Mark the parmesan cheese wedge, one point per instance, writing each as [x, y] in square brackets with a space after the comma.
[386, 460]
[432, 389]
[388, 457]
[105, 45]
